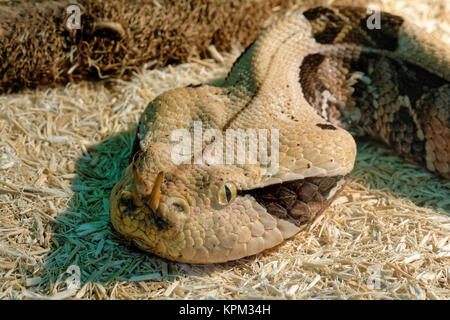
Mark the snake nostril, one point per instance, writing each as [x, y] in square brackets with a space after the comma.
[126, 202]
[178, 205]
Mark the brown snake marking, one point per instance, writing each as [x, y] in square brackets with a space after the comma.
[311, 75]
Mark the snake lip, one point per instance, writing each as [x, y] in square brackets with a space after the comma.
[298, 201]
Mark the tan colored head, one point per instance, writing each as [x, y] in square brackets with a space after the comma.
[199, 213]
[208, 213]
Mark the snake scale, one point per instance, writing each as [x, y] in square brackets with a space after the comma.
[314, 75]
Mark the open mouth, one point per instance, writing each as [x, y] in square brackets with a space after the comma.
[298, 201]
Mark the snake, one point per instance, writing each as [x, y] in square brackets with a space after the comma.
[307, 85]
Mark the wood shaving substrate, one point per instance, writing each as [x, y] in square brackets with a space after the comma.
[62, 150]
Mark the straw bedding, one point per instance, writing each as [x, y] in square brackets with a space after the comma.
[116, 37]
[61, 150]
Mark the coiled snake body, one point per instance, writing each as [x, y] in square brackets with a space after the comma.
[311, 76]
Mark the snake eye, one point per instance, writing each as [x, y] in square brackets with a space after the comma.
[227, 193]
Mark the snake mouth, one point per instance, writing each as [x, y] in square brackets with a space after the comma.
[298, 201]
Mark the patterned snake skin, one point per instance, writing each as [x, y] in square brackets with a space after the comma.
[312, 75]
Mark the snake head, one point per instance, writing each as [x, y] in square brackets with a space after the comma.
[211, 213]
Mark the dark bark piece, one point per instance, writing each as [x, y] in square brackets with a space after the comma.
[307, 191]
[269, 197]
[276, 209]
[318, 197]
[300, 211]
[327, 183]
[294, 185]
[287, 197]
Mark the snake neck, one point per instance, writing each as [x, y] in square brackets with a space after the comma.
[391, 84]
